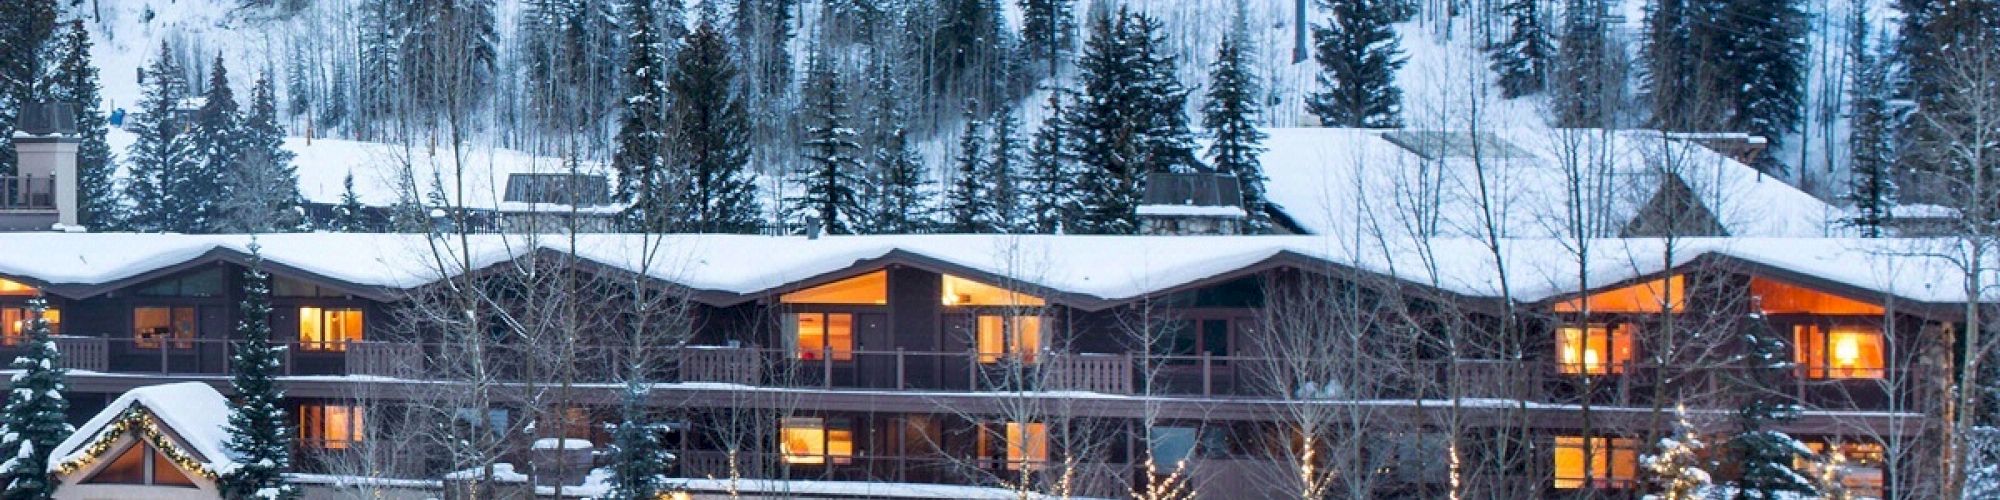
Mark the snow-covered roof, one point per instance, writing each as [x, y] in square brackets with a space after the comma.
[193, 411]
[1088, 271]
[1365, 182]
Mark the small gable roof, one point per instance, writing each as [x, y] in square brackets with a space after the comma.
[194, 414]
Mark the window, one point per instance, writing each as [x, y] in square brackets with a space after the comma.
[1186, 341]
[328, 329]
[824, 334]
[1777, 297]
[287, 287]
[1594, 350]
[1614, 462]
[16, 289]
[1027, 444]
[140, 463]
[1643, 298]
[809, 441]
[207, 283]
[1016, 338]
[1840, 352]
[964, 292]
[14, 324]
[1861, 466]
[152, 326]
[1171, 445]
[494, 420]
[330, 426]
[867, 289]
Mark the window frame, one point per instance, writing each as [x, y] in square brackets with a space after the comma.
[1614, 462]
[825, 430]
[826, 346]
[14, 323]
[327, 344]
[1011, 454]
[150, 461]
[1619, 344]
[1813, 349]
[315, 425]
[171, 339]
[1007, 344]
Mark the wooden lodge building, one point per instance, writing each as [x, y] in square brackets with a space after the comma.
[970, 359]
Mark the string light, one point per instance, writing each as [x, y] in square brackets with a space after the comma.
[150, 431]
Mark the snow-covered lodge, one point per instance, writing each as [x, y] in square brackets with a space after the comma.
[950, 366]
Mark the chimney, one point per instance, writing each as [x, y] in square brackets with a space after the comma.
[45, 175]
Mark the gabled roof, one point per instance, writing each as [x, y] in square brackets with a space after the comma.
[194, 415]
[1426, 184]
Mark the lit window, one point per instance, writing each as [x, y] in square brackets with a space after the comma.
[1014, 337]
[1861, 466]
[1594, 350]
[1847, 351]
[1644, 298]
[15, 288]
[1614, 463]
[14, 324]
[140, 463]
[1027, 445]
[964, 292]
[152, 326]
[328, 329]
[870, 289]
[331, 427]
[808, 441]
[824, 334]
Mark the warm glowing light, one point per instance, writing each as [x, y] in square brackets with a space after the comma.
[1594, 350]
[808, 441]
[1842, 352]
[1846, 350]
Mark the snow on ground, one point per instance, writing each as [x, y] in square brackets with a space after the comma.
[195, 412]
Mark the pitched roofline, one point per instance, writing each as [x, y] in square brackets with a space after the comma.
[220, 254]
[1935, 311]
[901, 257]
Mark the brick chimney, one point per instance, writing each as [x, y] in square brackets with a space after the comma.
[42, 193]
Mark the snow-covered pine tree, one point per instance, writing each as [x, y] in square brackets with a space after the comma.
[1116, 123]
[1522, 59]
[333, 112]
[1358, 53]
[35, 418]
[1050, 182]
[1763, 455]
[73, 79]
[257, 431]
[1003, 167]
[1231, 115]
[1677, 469]
[198, 196]
[1672, 65]
[1872, 134]
[831, 173]
[263, 186]
[639, 459]
[1048, 30]
[160, 148]
[904, 194]
[29, 25]
[298, 84]
[640, 159]
[350, 216]
[969, 41]
[710, 136]
[1763, 65]
[1166, 141]
[969, 204]
[1582, 71]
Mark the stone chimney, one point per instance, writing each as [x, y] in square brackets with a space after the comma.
[1199, 203]
[42, 193]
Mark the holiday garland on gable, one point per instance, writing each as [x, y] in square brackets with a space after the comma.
[150, 430]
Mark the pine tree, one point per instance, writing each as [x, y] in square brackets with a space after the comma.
[1763, 455]
[298, 84]
[903, 200]
[639, 459]
[1003, 168]
[710, 136]
[969, 204]
[640, 160]
[334, 111]
[161, 147]
[831, 172]
[198, 196]
[74, 80]
[969, 42]
[1050, 188]
[1763, 64]
[1583, 72]
[1673, 64]
[257, 431]
[1677, 469]
[263, 187]
[35, 418]
[1358, 53]
[1231, 116]
[1127, 122]
[1872, 135]
[29, 24]
[1048, 28]
[1522, 59]
[350, 216]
